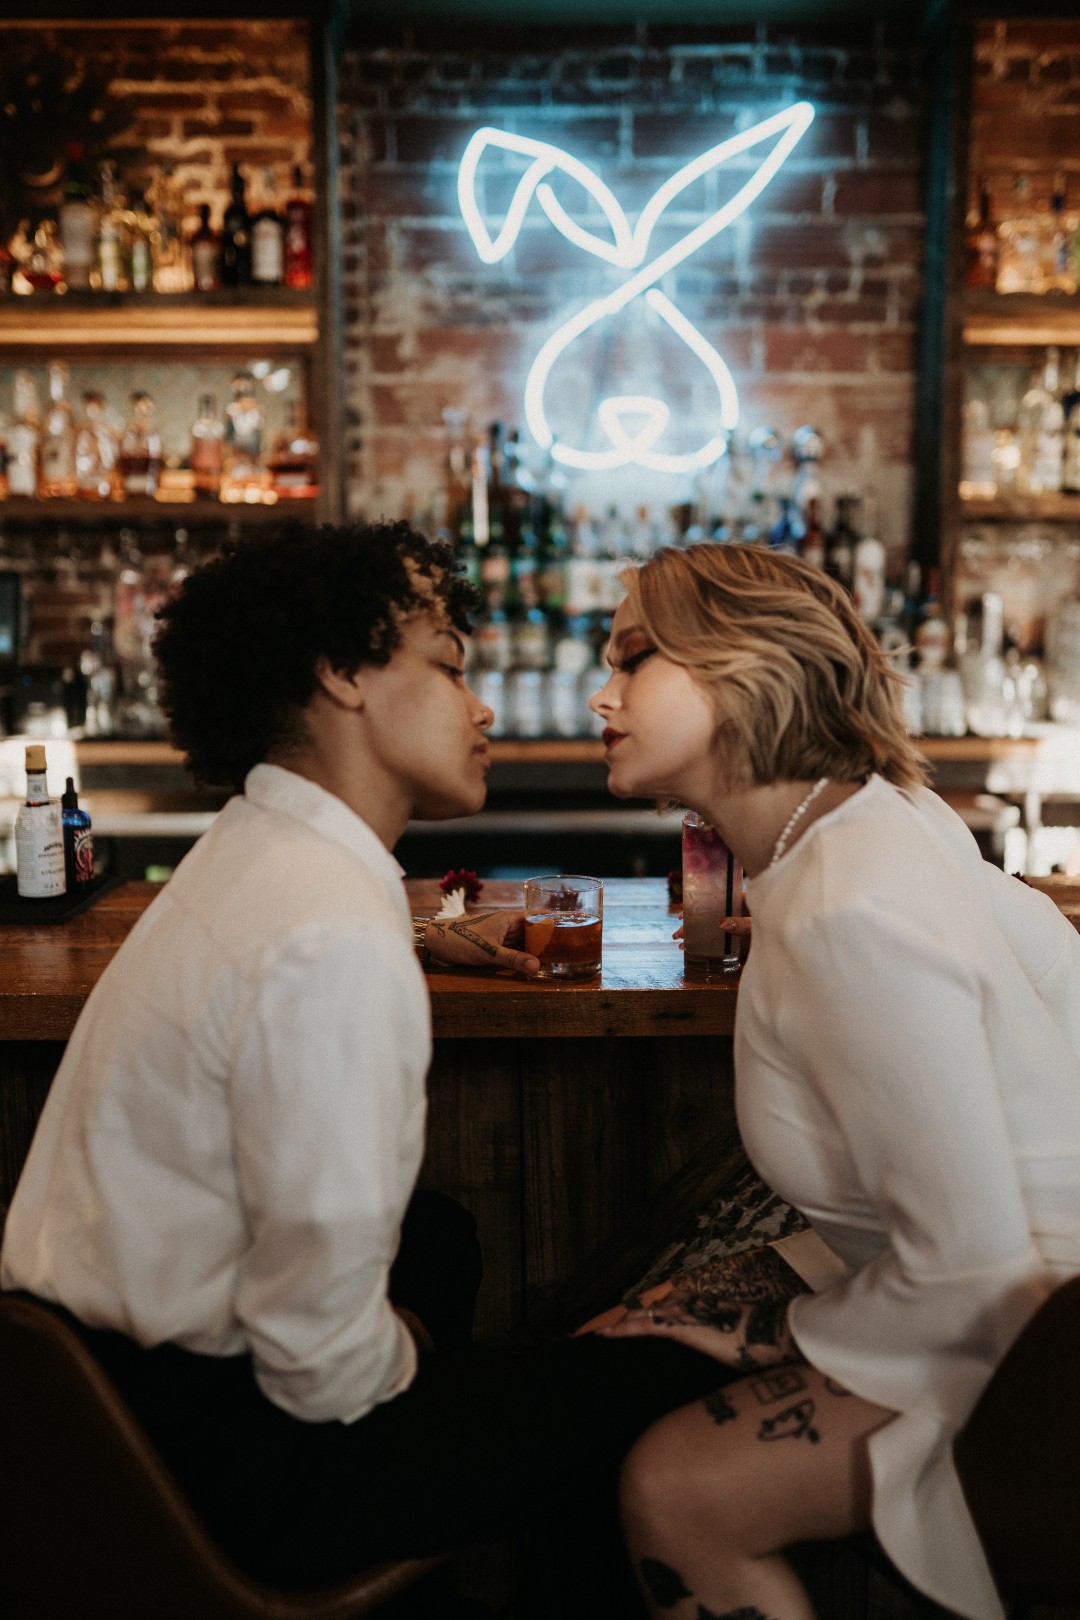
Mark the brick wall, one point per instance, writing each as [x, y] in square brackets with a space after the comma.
[812, 298]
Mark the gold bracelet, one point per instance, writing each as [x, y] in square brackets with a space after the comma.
[419, 930]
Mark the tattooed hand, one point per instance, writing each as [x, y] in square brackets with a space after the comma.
[481, 939]
[743, 1336]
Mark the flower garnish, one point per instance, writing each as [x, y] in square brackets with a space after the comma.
[562, 899]
[468, 881]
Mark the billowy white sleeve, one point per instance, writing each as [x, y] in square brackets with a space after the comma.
[886, 1026]
[328, 1107]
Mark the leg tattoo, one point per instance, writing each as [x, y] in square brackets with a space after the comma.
[791, 1424]
[664, 1584]
[719, 1407]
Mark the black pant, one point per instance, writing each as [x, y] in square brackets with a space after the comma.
[481, 1441]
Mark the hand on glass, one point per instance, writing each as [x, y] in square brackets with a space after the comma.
[481, 939]
[727, 925]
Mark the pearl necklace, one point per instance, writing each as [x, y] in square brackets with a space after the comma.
[800, 811]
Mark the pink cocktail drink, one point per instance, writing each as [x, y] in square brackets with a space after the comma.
[712, 891]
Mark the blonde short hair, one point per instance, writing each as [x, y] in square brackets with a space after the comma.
[801, 687]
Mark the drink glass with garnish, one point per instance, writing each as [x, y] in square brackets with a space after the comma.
[712, 890]
[564, 919]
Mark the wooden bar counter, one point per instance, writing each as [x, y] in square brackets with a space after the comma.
[556, 1111]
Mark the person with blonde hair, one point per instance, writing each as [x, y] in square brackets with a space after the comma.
[907, 1057]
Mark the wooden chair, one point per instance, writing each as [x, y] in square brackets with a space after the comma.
[91, 1523]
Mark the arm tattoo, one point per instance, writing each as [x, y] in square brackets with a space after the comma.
[791, 1424]
[719, 1407]
[664, 1585]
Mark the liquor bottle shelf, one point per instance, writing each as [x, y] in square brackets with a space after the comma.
[1055, 508]
[142, 508]
[273, 321]
[1020, 319]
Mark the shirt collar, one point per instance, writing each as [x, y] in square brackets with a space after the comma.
[278, 789]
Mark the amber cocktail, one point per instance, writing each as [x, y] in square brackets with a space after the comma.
[564, 918]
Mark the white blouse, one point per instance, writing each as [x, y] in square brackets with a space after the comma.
[234, 1132]
[907, 1057]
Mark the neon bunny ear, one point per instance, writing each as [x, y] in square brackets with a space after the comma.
[546, 159]
[790, 126]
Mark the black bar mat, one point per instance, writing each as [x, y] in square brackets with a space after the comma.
[14, 909]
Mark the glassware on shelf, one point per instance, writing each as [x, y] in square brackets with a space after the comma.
[982, 243]
[97, 452]
[236, 235]
[293, 462]
[244, 477]
[56, 477]
[112, 248]
[142, 235]
[172, 265]
[1020, 260]
[207, 449]
[205, 254]
[978, 475]
[140, 448]
[299, 215]
[1005, 458]
[77, 221]
[1042, 430]
[43, 268]
[24, 436]
[267, 238]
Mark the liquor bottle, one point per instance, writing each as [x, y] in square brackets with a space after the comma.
[205, 254]
[97, 452]
[812, 543]
[140, 448]
[56, 478]
[142, 243]
[808, 450]
[39, 837]
[869, 573]
[172, 262]
[77, 221]
[44, 266]
[267, 239]
[1018, 254]
[207, 449]
[978, 480]
[293, 462]
[1059, 270]
[24, 436]
[298, 235]
[554, 549]
[78, 840]
[236, 236]
[788, 530]
[840, 544]
[1042, 429]
[982, 243]
[244, 478]
[1070, 456]
[112, 249]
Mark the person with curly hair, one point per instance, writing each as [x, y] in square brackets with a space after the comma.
[907, 1063]
[219, 1187]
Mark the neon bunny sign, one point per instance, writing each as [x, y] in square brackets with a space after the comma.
[632, 423]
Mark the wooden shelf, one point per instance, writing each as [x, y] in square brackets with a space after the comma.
[1023, 509]
[1020, 319]
[275, 321]
[142, 508]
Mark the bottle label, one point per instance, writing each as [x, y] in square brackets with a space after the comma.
[84, 854]
[267, 251]
[39, 851]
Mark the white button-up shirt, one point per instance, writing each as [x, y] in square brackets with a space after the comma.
[228, 1147]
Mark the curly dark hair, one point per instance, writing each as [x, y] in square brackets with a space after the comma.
[238, 644]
